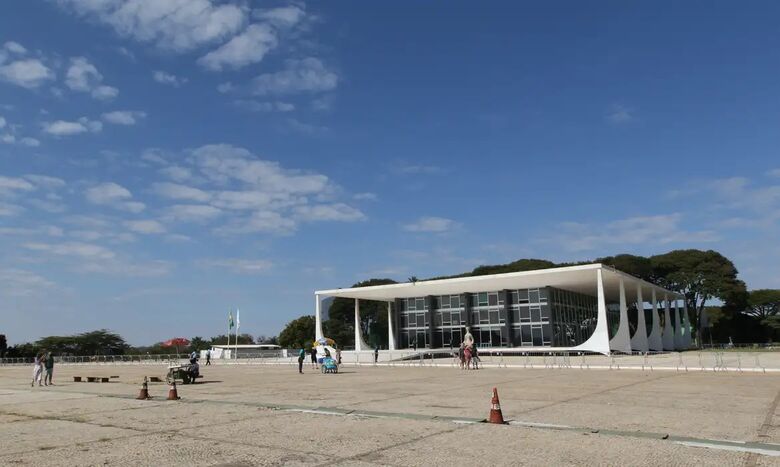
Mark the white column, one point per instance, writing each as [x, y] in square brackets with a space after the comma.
[688, 340]
[678, 331]
[668, 336]
[622, 340]
[639, 340]
[360, 344]
[654, 341]
[318, 334]
[599, 341]
[390, 331]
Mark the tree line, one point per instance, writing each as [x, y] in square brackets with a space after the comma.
[105, 342]
[708, 280]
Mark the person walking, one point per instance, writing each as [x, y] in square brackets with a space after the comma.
[338, 356]
[467, 356]
[301, 358]
[208, 357]
[475, 357]
[376, 354]
[37, 370]
[49, 366]
[462, 355]
[313, 353]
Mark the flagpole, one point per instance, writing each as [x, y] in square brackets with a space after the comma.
[238, 325]
[228, 333]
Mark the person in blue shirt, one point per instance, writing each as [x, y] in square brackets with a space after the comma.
[301, 358]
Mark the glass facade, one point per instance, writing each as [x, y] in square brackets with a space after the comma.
[506, 318]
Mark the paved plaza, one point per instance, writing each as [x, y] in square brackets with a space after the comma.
[365, 415]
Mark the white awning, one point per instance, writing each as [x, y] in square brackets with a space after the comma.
[580, 279]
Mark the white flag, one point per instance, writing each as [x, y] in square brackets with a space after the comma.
[238, 319]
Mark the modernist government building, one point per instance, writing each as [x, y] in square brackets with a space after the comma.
[591, 308]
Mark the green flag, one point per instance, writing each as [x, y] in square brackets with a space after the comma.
[230, 320]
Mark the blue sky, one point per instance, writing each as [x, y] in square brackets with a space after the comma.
[163, 161]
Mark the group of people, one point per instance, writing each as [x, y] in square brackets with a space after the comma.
[43, 369]
[315, 362]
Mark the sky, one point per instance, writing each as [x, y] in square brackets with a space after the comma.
[165, 161]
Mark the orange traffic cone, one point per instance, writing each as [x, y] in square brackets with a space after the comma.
[144, 393]
[173, 395]
[495, 410]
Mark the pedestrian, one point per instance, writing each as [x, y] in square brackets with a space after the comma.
[313, 353]
[301, 357]
[376, 354]
[49, 366]
[462, 355]
[37, 370]
[475, 357]
[338, 356]
[467, 356]
[208, 357]
[193, 356]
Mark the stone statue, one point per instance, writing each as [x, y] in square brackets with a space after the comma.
[468, 339]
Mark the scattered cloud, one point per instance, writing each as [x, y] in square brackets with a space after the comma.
[244, 49]
[123, 117]
[619, 114]
[258, 106]
[365, 196]
[661, 229]
[113, 195]
[239, 265]
[69, 128]
[83, 76]
[299, 76]
[180, 192]
[416, 169]
[145, 227]
[176, 25]
[192, 212]
[283, 17]
[9, 135]
[16, 68]
[20, 283]
[328, 212]
[78, 249]
[774, 173]
[12, 185]
[170, 79]
[431, 224]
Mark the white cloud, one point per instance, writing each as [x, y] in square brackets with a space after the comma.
[28, 73]
[430, 224]
[78, 249]
[68, 128]
[83, 76]
[619, 114]
[257, 106]
[240, 265]
[10, 185]
[180, 192]
[114, 195]
[306, 75]
[178, 25]
[365, 196]
[177, 173]
[328, 212]
[145, 226]
[774, 173]
[15, 47]
[283, 17]
[661, 229]
[225, 88]
[30, 142]
[416, 169]
[244, 49]
[2, 122]
[45, 181]
[170, 79]
[123, 117]
[192, 212]
[7, 209]
[19, 283]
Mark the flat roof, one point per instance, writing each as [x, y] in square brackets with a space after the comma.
[581, 278]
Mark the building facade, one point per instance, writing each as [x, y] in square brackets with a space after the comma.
[590, 308]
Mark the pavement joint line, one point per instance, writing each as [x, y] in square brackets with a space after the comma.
[750, 447]
[750, 460]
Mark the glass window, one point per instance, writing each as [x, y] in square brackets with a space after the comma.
[455, 301]
[522, 296]
[420, 304]
[445, 301]
[536, 331]
[437, 319]
[484, 317]
[493, 299]
[404, 320]
[536, 314]
[495, 337]
[483, 300]
[533, 296]
[525, 332]
[525, 314]
[493, 316]
[420, 320]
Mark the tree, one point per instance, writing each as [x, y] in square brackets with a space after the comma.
[637, 266]
[198, 343]
[700, 276]
[262, 339]
[222, 339]
[3, 345]
[100, 342]
[298, 333]
[763, 303]
[340, 325]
